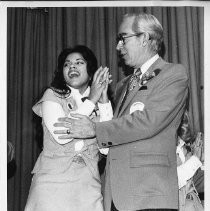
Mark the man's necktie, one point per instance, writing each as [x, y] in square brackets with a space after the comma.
[133, 82]
[135, 78]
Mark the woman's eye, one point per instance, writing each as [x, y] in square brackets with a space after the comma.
[80, 63]
[65, 65]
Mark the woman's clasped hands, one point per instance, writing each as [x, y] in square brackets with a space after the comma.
[99, 86]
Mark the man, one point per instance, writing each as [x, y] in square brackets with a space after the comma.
[141, 170]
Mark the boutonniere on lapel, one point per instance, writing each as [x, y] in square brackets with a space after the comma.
[148, 76]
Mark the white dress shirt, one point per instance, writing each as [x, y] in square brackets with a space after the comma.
[147, 64]
[188, 168]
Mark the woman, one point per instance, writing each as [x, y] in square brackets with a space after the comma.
[189, 159]
[66, 173]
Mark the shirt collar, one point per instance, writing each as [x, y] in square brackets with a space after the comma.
[148, 63]
[181, 142]
[75, 92]
[179, 150]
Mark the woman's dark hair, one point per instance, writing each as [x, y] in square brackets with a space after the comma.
[59, 84]
[185, 132]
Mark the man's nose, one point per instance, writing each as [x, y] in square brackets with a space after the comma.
[119, 45]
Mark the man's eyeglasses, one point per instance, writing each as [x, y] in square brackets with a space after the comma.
[121, 38]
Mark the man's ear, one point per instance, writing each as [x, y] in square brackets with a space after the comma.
[145, 39]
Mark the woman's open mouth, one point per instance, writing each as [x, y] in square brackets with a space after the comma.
[73, 74]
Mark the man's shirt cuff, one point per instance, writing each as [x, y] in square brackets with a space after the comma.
[106, 112]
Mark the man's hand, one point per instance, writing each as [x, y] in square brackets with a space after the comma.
[79, 127]
[198, 147]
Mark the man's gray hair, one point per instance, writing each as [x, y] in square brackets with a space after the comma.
[147, 23]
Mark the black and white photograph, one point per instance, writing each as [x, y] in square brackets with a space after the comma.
[104, 105]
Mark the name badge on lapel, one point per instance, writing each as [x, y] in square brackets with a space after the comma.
[137, 106]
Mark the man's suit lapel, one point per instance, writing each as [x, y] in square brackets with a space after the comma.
[156, 65]
[129, 98]
[120, 99]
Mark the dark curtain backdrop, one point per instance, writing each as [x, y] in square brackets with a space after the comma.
[35, 37]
